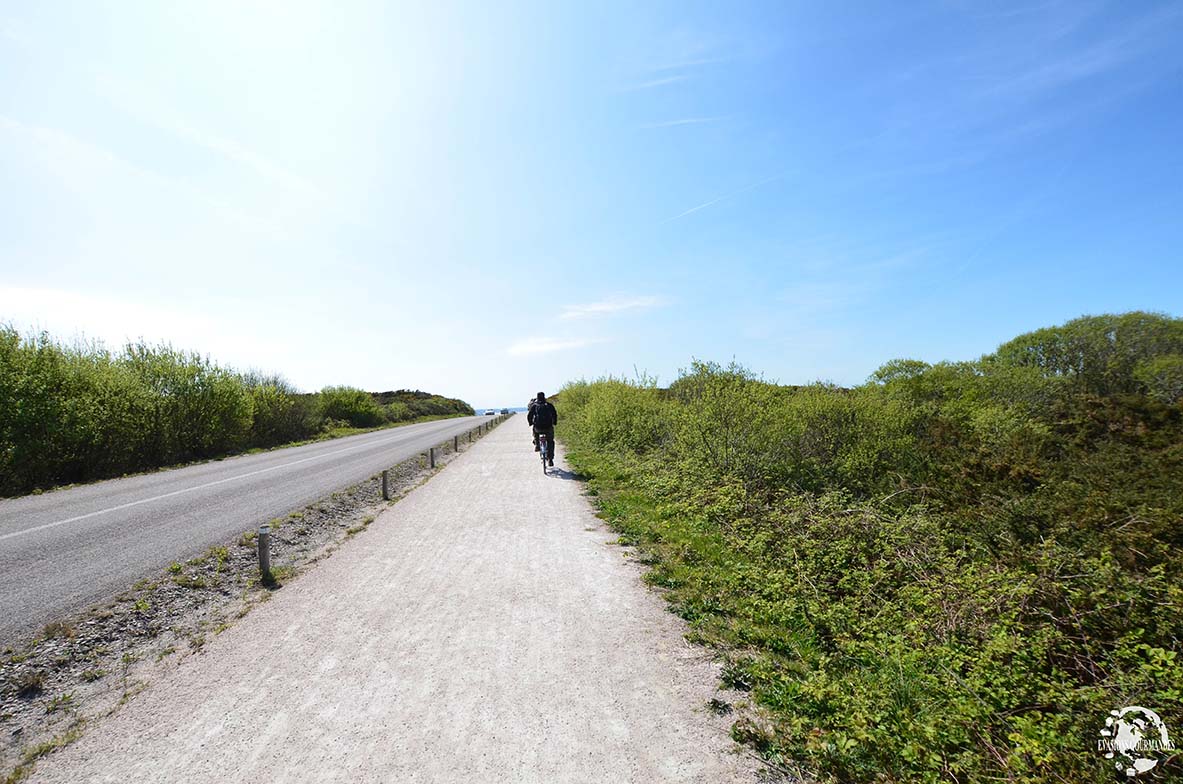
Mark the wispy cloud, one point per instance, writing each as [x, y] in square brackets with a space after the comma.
[690, 62]
[86, 169]
[154, 113]
[651, 83]
[724, 197]
[685, 121]
[530, 346]
[610, 306]
[1063, 63]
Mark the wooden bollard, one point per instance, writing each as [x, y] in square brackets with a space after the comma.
[385, 486]
[431, 456]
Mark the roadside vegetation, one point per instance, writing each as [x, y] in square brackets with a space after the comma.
[950, 573]
[73, 413]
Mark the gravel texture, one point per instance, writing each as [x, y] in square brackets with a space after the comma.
[87, 664]
[486, 628]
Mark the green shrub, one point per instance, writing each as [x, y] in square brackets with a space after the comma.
[951, 573]
[1162, 377]
[351, 405]
[281, 414]
[77, 412]
[1098, 353]
[613, 414]
[397, 412]
[421, 404]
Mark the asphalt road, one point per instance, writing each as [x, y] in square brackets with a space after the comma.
[65, 550]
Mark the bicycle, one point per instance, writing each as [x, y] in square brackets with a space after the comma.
[543, 450]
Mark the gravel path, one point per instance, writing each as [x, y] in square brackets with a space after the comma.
[484, 629]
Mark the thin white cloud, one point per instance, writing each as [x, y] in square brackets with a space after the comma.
[692, 62]
[530, 346]
[610, 306]
[662, 82]
[243, 156]
[724, 197]
[1057, 67]
[86, 168]
[685, 121]
[147, 110]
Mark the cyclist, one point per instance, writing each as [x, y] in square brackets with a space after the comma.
[543, 417]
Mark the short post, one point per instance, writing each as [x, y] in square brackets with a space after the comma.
[431, 456]
[385, 485]
[455, 443]
[265, 553]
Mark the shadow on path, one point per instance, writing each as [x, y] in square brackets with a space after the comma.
[562, 473]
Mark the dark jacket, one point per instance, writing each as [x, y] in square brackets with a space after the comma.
[554, 415]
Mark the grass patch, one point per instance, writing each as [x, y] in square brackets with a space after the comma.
[60, 702]
[279, 575]
[189, 581]
[220, 555]
[25, 768]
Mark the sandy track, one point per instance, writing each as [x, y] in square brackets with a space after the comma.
[477, 632]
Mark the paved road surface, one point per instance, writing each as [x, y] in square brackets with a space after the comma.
[483, 629]
[67, 549]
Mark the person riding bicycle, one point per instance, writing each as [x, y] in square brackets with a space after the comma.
[543, 417]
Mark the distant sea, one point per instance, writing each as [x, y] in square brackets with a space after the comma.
[483, 409]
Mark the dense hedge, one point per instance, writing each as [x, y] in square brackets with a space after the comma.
[74, 413]
[950, 573]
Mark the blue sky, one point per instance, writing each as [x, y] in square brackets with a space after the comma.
[489, 199]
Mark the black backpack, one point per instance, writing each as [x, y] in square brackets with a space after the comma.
[544, 415]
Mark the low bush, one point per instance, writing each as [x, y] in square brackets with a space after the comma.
[71, 413]
[348, 404]
[950, 573]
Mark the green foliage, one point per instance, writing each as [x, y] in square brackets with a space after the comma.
[1098, 353]
[397, 412]
[1162, 378]
[351, 405]
[71, 413]
[616, 415]
[281, 413]
[199, 409]
[951, 573]
[407, 404]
